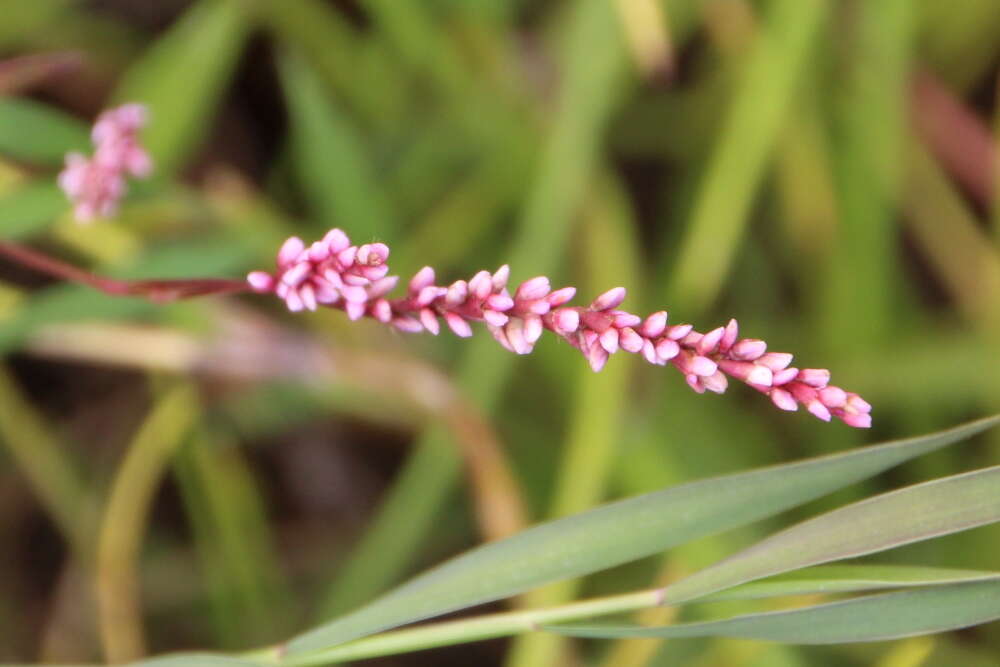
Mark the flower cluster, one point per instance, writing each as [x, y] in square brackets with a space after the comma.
[333, 272]
[96, 184]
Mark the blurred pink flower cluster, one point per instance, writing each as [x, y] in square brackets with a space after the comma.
[95, 185]
[335, 273]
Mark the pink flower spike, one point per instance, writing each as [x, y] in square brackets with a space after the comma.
[654, 325]
[561, 296]
[337, 241]
[430, 321]
[783, 400]
[609, 340]
[260, 281]
[748, 349]
[566, 320]
[815, 377]
[423, 278]
[776, 361]
[630, 341]
[610, 299]
[531, 290]
[458, 325]
[290, 251]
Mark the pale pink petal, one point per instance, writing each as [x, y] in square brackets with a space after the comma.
[654, 325]
[260, 281]
[610, 299]
[423, 278]
[458, 325]
[815, 377]
[566, 320]
[609, 340]
[430, 321]
[630, 340]
[783, 400]
[561, 296]
[535, 288]
[748, 349]
[290, 251]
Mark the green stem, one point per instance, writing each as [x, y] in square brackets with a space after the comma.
[449, 633]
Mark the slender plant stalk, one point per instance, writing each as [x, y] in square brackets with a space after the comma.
[448, 633]
[120, 540]
[158, 291]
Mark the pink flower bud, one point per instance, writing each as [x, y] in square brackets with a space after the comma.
[609, 340]
[458, 292]
[679, 331]
[748, 349]
[597, 356]
[783, 400]
[610, 299]
[260, 281]
[501, 277]
[480, 285]
[430, 321]
[336, 240]
[290, 251]
[422, 279]
[814, 377]
[716, 382]
[533, 328]
[561, 296]
[630, 341]
[458, 325]
[533, 289]
[776, 361]
[667, 349]
[710, 341]
[732, 331]
[495, 318]
[500, 302]
[565, 320]
[654, 325]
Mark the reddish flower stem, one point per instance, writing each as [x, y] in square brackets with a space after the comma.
[158, 291]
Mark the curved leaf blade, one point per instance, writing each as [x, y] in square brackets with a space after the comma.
[619, 532]
[39, 134]
[826, 579]
[889, 520]
[870, 618]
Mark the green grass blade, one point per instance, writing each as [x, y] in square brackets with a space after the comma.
[748, 136]
[620, 532]
[826, 579]
[889, 520]
[336, 175]
[870, 618]
[196, 660]
[31, 208]
[182, 76]
[36, 133]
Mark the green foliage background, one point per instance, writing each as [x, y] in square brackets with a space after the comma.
[825, 171]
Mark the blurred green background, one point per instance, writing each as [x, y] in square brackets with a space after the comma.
[221, 474]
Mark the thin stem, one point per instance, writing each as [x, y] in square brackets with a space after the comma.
[159, 291]
[448, 633]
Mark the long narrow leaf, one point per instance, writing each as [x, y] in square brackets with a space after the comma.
[827, 579]
[870, 618]
[620, 532]
[913, 514]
